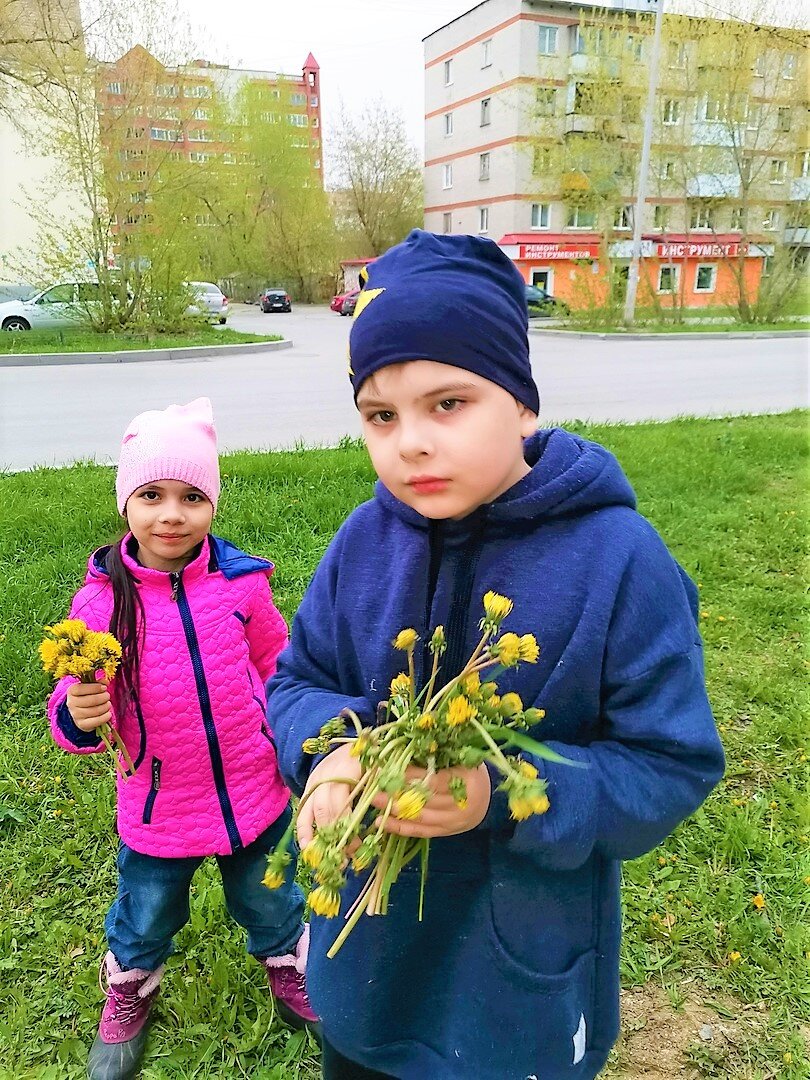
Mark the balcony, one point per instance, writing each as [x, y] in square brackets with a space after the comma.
[593, 64]
[713, 186]
[713, 133]
[797, 237]
[586, 124]
[800, 189]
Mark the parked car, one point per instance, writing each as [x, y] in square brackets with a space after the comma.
[275, 300]
[337, 301]
[56, 307]
[209, 300]
[349, 303]
[542, 304]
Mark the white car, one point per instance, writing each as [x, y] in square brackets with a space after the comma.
[53, 308]
[210, 300]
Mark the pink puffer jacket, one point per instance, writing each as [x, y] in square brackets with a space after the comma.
[206, 779]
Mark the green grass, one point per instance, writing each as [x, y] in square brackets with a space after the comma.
[728, 497]
[687, 328]
[59, 341]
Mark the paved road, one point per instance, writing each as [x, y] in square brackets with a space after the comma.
[54, 415]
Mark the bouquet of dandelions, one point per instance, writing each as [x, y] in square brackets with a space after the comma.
[71, 649]
[463, 723]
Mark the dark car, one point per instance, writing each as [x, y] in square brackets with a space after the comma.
[349, 303]
[542, 305]
[275, 300]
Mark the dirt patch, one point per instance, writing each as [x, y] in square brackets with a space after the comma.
[660, 1042]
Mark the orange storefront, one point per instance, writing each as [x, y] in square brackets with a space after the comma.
[688, 270]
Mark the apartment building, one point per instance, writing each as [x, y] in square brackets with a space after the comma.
[730, 174]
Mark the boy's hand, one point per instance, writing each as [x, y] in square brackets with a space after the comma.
[441, 815]
[89, 705]
[329, 801]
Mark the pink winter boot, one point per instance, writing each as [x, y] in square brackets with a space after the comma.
[287, 978]
[118, 1047]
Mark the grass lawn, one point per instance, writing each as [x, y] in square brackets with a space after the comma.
[59, 341]
[718, 918]
[684, 328]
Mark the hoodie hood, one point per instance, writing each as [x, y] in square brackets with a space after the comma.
[569, 476]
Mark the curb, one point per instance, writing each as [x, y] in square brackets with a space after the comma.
[687, 335]
[136, 356]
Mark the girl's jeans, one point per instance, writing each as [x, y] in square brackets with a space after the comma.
[153, 902]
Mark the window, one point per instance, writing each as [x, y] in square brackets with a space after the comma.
[672, 111]
[59, 294]
[448, 123]
[114, 88]
[447, 223]
[297, 119]
[677, 54]
[631, 108]
[88, 292]
[317, 163]
[579, 217]
[705, 278]
[201, 114]
[483, 219]
[202, 219]
[198, 158]
[199, 135]
[623, 218]
[486, 111]
[803, 165]
[783, 119]
[541, 161]
[667, 170]
[197, 91]
[166, 90]
[778, 170]
[635, 45]
[546, 101]
[752, 116]
[708, 108]
[135, 133]
[547, 40]
[758, 68]
[315, 122]
[447, 176]
[661, 214]
[702, 216]
[313, 101]
[228, 159]
[668, 279]
[737, 219]
[298, 99]
[169, 114]
[540, 215]
[770, 220]
[483, 166]
[448, 73]
[486, 53]
[789, 66]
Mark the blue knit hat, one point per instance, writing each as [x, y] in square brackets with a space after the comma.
[454, 299]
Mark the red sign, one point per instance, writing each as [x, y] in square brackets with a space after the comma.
[551, 251]
[700, 250]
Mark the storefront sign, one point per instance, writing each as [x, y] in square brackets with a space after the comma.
[700, 250]
[550, 252]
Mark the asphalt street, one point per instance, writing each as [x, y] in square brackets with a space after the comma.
[54, 415]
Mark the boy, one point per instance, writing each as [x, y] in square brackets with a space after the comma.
[513, 972]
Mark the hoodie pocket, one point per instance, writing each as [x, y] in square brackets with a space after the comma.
[148, 806]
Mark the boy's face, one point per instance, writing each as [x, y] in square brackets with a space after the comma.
[441, 439]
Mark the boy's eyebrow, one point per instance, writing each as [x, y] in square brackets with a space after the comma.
[439, 391]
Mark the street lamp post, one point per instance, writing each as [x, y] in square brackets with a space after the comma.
[644, 168]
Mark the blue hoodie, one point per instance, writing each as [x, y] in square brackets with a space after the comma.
[514, 970]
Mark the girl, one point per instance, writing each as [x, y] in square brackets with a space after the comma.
[200, 636]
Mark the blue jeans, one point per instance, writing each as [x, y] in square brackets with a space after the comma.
[153, 902]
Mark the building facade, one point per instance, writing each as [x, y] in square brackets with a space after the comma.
[533, 129]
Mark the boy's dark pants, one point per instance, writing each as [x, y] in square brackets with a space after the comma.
[336, 1067]
[153, 902]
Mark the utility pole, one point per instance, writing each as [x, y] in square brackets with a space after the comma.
[644, 168]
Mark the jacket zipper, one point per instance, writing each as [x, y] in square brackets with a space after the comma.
[175, 579]
[153, 790]
[204, 699]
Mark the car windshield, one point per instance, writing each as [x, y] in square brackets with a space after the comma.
[16, 292]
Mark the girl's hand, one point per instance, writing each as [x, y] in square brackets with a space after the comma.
[329, 801]
[89, 705]
[441, 815]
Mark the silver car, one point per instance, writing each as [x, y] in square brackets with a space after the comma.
[210, 300]
[56, 307]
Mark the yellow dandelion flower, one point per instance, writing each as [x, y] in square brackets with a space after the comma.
[426, 721]
[758, 901]
[529, 649]
[405, 640]
[471, 684]
[273, 879]
[520, 808]
[325, 901]
[438, 642]
[410, 804]
[459, 711]
[734, 956]
[311, 746]
[540, 804]
[496, 607]
[525, 768]
[312, 854]
[507, 649]
[400, 684]
[510, 705]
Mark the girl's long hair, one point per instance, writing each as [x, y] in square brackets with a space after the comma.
[128, 624]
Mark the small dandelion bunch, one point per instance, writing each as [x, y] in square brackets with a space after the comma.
[463, 723]
[70, 648]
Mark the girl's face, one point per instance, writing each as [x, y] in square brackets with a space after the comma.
[168, 519]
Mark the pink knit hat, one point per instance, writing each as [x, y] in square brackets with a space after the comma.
[179, 443]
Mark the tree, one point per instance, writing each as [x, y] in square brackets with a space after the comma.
[32, 33]
[379, 180]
